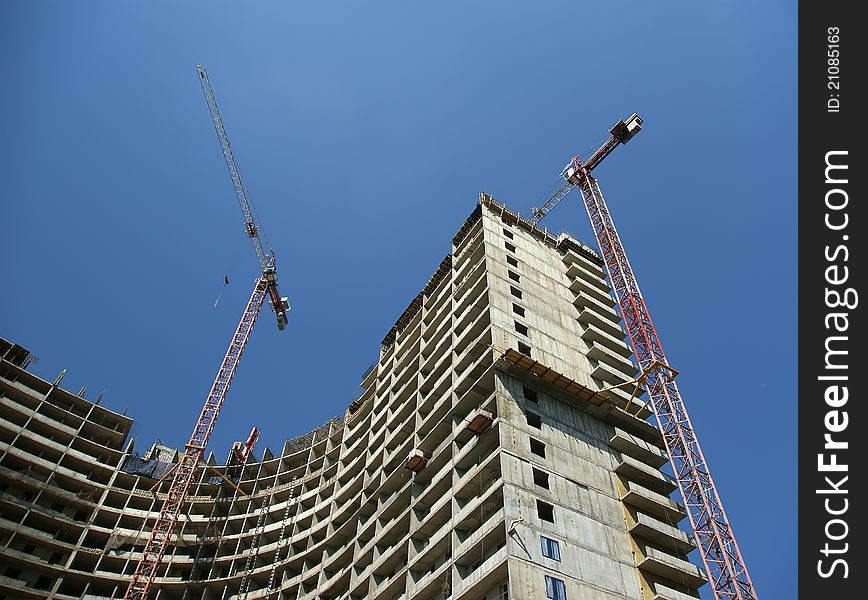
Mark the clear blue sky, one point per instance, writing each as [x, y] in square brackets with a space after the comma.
[364, 132]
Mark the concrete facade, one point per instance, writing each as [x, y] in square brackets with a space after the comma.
[482, 461]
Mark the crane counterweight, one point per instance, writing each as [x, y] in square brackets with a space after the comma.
[625, 130]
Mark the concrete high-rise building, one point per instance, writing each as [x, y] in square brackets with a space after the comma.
[487, 458]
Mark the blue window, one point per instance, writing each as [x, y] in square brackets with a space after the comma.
[555, 588]
[550, 548]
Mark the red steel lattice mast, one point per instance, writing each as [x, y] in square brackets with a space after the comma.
[184, 470]
[156, 545]
[724, 564]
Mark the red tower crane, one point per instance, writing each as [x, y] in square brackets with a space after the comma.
[726, 569]
[194, 450]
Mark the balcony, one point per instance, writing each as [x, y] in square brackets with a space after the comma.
[572, 257]
[437, 305]
[390, 583]
[432, 389]
[407, 339]
[670, 567]
[662, 534]
[428, 583]
[583, 301]
[630, 445]
[603, 354]
[469, 280]
[464, 336]
[578, 270]
[490, 533]
[653, 503]
[592, 333]
[612, 376]
[435, 364]
[644, 475]
[661, 592]
[580, 286]
[428, 549]
[608, 322]
[484, 577]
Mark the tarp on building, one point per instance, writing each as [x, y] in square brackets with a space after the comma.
[136, 465]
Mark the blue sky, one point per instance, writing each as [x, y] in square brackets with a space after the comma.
[364, 132]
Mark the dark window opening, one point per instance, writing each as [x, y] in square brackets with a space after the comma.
[524, 348]
[12, 572]
[541, 479]
[518, 310]
[28, 549]
[508, 233]
[545, 511]
[55, 558]
[511, 261]
[514, 276]
[538, 448]
[533, 419]
[521, 328]
[510, 247]
[43, 582]
[515, 291]
[529, 394]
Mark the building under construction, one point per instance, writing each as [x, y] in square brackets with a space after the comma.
[488, 457]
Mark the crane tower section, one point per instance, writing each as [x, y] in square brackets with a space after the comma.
[728, 574]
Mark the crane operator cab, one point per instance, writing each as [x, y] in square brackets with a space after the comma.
[571, 169]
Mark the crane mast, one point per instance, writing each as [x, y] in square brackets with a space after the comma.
[726, 569]
[194, 450]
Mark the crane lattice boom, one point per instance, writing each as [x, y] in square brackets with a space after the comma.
[266, 258]
[249, 222]
[726, 569]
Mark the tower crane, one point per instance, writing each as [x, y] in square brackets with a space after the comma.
[726, 569]
[194, 450]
